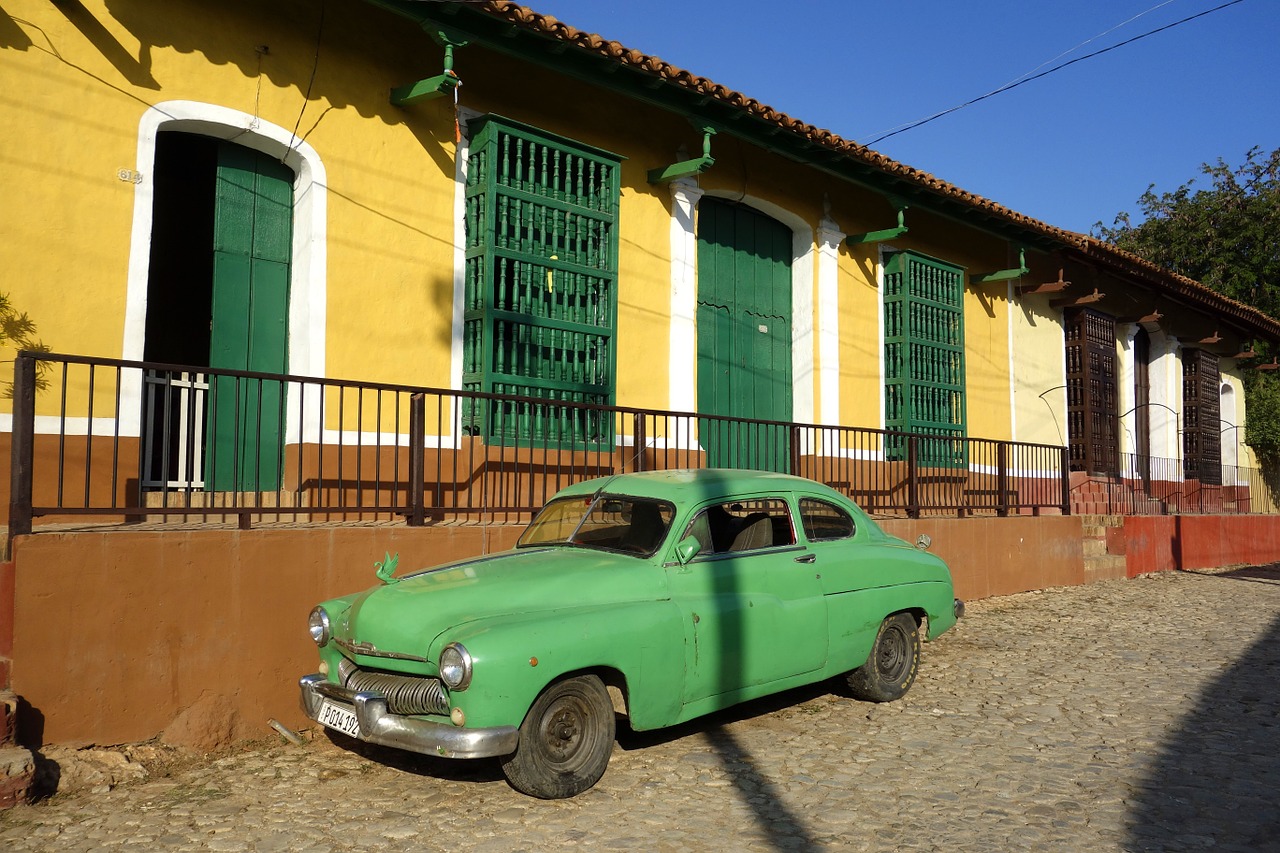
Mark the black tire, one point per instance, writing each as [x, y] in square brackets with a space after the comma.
[891, 667]
[565, 740]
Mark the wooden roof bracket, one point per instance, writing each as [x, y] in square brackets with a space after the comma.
[1048, 287]
[1079, 300]
[441, 84]
[1003, 275]
[688, 168]
[884, 233]
[1151, 319]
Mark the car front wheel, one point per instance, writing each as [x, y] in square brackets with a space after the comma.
[891, 667]
[565, 740]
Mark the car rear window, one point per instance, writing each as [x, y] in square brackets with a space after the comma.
[822, 520]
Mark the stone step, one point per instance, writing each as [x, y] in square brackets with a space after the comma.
[17, 772]
[1110, 567]
[8, 718]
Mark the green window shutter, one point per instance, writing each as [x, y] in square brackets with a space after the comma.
[540, 283]
[924, 357]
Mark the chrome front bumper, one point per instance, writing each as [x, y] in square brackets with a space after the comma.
[380, 726]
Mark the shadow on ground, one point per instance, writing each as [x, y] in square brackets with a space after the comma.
[1214, 782]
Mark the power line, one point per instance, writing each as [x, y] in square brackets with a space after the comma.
[1028, 79]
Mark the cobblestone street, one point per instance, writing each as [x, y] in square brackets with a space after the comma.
[1122, 716]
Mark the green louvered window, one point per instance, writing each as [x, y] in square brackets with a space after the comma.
[541, 284]
[924, 357]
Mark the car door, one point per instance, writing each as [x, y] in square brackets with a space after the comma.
[850, 573]
[751, 602]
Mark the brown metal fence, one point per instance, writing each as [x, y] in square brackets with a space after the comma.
[108, 441]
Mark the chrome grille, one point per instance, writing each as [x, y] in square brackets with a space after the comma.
[405, 694]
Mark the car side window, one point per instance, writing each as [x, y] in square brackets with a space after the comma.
[822, 520]
[740, 526]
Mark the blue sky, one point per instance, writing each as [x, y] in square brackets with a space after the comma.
[1072, 148]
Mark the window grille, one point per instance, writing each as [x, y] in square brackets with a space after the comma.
[924, 358]
[540, 284]
[1092, 419]
[1201, 417]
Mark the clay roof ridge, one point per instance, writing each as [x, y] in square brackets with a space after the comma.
[551, 26]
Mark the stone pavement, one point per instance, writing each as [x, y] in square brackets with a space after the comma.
[1127, 715]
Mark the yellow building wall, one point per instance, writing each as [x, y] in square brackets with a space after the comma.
[1038, 368]
[74, 99]
[76, 91]
[861, 347]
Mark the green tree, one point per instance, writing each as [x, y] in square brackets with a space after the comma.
[18, 332]
[1224, 233]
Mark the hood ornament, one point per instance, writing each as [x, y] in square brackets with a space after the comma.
[387, 568]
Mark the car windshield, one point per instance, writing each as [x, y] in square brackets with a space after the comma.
[608, 522]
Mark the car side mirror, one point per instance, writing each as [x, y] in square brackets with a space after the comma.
[688, 548]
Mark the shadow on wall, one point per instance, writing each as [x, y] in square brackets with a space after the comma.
[1214, 782]
[12, 35]
[346, 54]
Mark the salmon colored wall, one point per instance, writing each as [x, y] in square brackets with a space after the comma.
[7, 611]
[1163, 543]
[1001, 556]
[115, 633]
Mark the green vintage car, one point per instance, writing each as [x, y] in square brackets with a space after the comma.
[662, 596]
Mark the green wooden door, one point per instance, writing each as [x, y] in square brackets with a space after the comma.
[744, 334]
[249, 328]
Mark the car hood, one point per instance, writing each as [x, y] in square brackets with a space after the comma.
[405, 616]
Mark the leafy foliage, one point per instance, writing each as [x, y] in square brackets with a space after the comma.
[1225, 235]
[18, 332]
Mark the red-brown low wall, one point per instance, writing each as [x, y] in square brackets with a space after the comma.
[1163, 543]
[116, 633]
[1001, 556]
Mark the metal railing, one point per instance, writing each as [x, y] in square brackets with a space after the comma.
[1151, 485]
[111, 440]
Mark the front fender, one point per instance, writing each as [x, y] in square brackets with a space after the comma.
[515, 657]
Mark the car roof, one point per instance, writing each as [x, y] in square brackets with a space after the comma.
[689, 485]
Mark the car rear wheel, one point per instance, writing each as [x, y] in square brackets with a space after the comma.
[891, 667]
[565, 740]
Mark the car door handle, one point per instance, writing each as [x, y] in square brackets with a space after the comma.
[807, 558]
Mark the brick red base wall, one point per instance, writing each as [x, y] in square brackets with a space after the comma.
[1164, 543]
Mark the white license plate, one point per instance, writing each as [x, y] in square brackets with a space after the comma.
[338, 718]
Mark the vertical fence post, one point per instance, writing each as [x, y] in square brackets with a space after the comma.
[913, 478]
[417, 515]
[1064, 475]
[1002, 478]
[795, 450]
[640, 442]
[22, 456]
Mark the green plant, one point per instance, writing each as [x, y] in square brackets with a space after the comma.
[18, 332]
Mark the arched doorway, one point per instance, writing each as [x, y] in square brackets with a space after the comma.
[217, 296]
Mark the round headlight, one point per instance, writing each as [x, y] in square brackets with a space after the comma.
[318, 625]
[455, 667]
